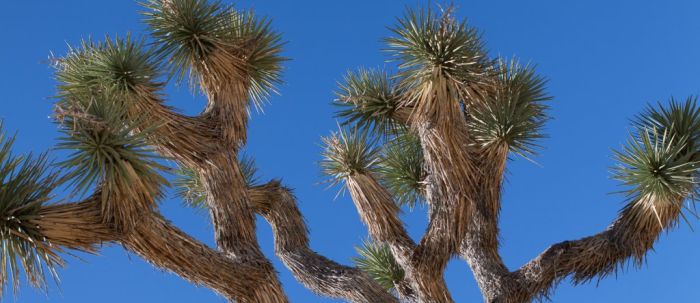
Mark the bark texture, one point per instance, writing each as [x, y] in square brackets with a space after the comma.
[323, 276]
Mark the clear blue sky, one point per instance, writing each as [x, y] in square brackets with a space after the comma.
[605, 61]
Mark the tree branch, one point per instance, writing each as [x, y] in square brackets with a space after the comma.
[278, 206]
[79, 226]
[379, 212]
[630, 237]
[449, 194]
[165, 246]
[234, 221]
[188, 140]
[208, 144]
[480, 245]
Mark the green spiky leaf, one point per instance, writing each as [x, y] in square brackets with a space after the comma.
[428, 44]
[118, 69]
[263, 47]
[401, 168]
[186, 31]
[105, 149]
[25, 186]
[680, 119]
[190, 33]
[368, 99]
[190, 189]
[377, 261]
[656, 164]
[515, 112]
[347, 152]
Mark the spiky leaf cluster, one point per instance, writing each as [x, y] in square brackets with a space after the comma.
[377, 261]
[25, 186]
[514, 112]
[189, 32]
[429, 45]
[262, 48]
[347, 152]
[190, 188]
[98, 85]
[401, 168]
[679, 119]
[368, 99]
[106, 150]
[655, 164]
[115, 70]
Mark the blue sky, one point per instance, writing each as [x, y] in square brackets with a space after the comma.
[605, 62]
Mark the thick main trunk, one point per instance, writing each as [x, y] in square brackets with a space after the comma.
[438, 121]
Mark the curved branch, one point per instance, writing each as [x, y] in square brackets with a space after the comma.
[234, 221]
[165, 246]
[449, 195]
[199, 143]
[76, 226]
[189, 140]
[278, 206]
[79, 226]
[632, 234]
[381, 215]
[379, 212]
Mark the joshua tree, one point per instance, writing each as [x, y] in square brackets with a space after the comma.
[439, 131]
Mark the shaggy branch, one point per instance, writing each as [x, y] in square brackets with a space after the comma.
[631, 236]
[79, 226]
[278, 206]
[379, 212]
[449, 194]
[480, 246]
[188, 140]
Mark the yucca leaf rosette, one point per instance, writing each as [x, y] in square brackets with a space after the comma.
[100, 85]
[216, 44]
[26, 184]
[348, 152]
[369, 99]
[514, 112]
[377, 261]
[401, 168]
[658, 166]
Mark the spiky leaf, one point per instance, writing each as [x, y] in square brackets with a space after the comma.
[25, 186]
[514, 112]
[401, 168]
[429, 45]
[119, 69]
[656, 164]
[377, 260]
[680, 119]
[107, 151]
[190, 189]
[187, 31]
[368, 99]
[262, 48]
[347, 152]
[199, 36]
